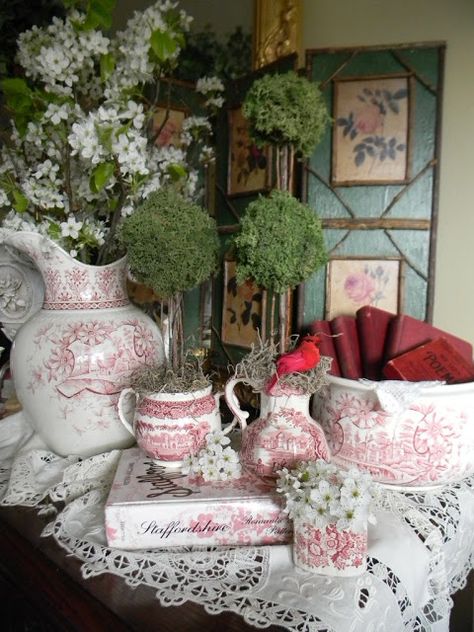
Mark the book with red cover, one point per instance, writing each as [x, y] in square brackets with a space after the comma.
[322, 328]
[347, 346]
[406, 332]
[372, 326]
[435, 360]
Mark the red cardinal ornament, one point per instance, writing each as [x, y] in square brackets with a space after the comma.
[305, 357]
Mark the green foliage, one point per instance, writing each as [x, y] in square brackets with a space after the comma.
[286, 109]
[229, 59]
[172, 244]
[280, 243]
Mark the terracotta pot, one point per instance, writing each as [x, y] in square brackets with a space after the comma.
[73, 357]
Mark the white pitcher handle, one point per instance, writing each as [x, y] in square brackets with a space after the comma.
[240, 416]
[124, 411]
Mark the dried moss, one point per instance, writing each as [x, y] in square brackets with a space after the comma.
[256, 368]
[280, 242]
[286, 109]
[188, 377]
[172, 244]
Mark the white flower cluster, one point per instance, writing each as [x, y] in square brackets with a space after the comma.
[212, 87]
[320, 493]
[61, 56]
[217, 461]
[132, 48]
[87, 150]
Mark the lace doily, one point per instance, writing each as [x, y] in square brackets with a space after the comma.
[420, 551]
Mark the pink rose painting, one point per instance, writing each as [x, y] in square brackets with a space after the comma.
[371, 130]
[353, 283]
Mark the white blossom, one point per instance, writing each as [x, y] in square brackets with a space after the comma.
[209, 84]
[216, 461]
[320, 493]
[71, 228]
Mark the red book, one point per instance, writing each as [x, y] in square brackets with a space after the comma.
[322, 328]
[346, 342]
[435, 360]
[372, 327]
[406, 332]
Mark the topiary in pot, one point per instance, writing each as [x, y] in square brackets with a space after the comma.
[172, 246]
[280, 244]
[288, 112]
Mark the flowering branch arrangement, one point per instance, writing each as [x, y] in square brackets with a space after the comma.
[217, 461]
[82, 151]
[320, 494]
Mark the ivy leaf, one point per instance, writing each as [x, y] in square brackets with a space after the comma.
[163, 45]
[21, 203]
[101, 175]
[107, 66]
[99, 14]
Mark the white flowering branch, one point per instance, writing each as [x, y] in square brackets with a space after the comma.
[80, 145]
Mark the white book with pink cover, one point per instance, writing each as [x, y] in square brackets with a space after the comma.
[150, 506]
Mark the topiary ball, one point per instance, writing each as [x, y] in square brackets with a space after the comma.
[284, 109]
[172, 244]
[280, 243]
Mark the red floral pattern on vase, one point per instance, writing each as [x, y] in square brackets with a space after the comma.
[176, 410]
[283, 436]
[171, 442]
[329, 550]
[170, 426]
[74, 356]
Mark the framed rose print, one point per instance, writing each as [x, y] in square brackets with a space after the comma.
[243, 310]
[167, 126]
[371, 132]
[354, 282]
[248, 165]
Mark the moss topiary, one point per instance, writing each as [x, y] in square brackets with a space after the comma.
[172, 244]
[280, 243]
[284, 109]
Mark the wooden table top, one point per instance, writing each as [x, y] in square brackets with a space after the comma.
[52, 588]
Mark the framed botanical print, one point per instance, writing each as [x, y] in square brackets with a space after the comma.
[243, 309]
[248, 165]
[371, 133]
[167, 126]
[354, 282]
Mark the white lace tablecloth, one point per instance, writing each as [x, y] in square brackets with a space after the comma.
[420, 551]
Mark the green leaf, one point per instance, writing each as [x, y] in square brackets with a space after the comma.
[21, 203]
[101, 175]
[107, 66]
[163, 45]
[18, 95]
[99, 14]
[176, 171]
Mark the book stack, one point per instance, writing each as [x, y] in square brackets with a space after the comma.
[376, 344]
[150, 506]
